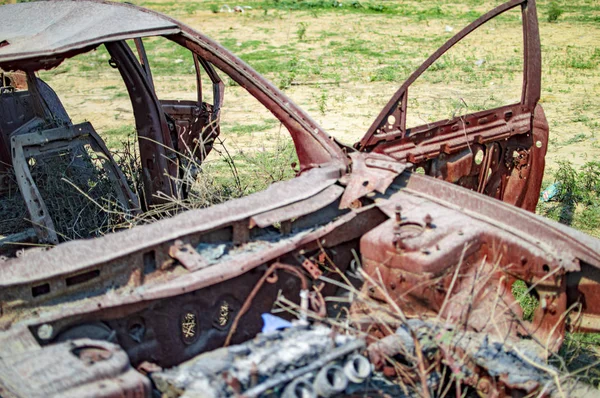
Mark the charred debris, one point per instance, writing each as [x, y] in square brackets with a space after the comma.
[383, 281]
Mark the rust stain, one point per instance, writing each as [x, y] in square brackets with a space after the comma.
[445, 246]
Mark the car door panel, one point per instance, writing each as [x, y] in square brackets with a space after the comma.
[196, 122]
[193, 125]
[191, 119]
[499, 152]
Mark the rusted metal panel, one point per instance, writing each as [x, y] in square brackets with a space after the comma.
[82, 255]
[192, 126]
[65, 26]
[174, 289]
[157, 150]
[370, 173]
[28, 143]
[187, 255]
[80, 368]
[554, 237]
[417, 259]
[525, 182]
[518, 127]
[433, 263]
[449, 136]
[583, 290]
[295, 210]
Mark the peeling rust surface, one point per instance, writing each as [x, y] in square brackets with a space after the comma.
[439, 250]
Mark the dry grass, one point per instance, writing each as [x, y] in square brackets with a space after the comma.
[343, 64]
[441, 354]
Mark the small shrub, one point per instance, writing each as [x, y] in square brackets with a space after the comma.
[330, 5]
[301, 32]
[579, 354]
[189, 9]
[590, 182]
[581, 62]
[578, 196]
[386, 74]
[377, 8]
[527, 299]
[577, 138]
[567, 179]
[590, 218]
[287, 77]
[554, 11]
[322, 101]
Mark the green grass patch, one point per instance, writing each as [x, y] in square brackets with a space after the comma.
[527, 299]
[239, 128]
[248, 171]
[576, 138]
[579, 353]
[390, 74]
[115, 137]
[577, 202]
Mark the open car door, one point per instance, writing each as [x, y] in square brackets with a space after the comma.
[193, 125]
[498, 152]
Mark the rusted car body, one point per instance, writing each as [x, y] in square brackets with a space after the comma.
[168, 291]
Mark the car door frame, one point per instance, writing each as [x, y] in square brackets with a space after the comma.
[525, 121]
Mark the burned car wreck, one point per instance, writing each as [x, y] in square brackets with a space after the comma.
[412, 271]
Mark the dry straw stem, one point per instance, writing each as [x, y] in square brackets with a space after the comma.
[391, 309]
[389, 314]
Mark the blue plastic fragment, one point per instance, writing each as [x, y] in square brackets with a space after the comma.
[550, 192]
[272, 323]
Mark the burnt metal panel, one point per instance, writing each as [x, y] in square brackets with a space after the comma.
[79, 368]
[79, 255]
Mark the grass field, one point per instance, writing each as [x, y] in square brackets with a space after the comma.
[342, 61]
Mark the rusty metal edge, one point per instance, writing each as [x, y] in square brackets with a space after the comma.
[124, 35]
[398, 95]
[554, 237]
[81, 254]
